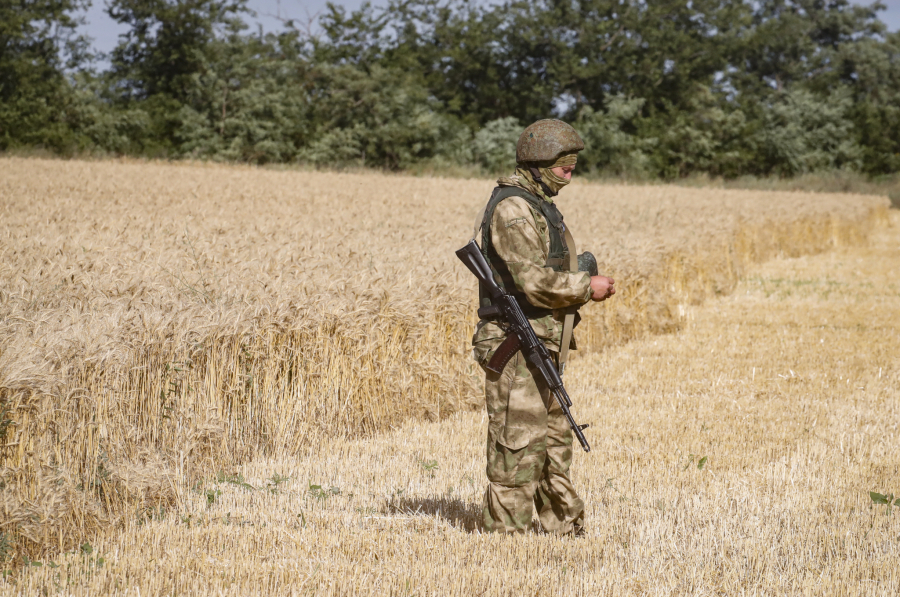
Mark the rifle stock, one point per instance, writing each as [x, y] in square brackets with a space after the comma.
[521, 336]
[472, 258]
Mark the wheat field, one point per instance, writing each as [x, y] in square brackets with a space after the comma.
[224, 380]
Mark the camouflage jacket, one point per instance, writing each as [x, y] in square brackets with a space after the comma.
[519, 235]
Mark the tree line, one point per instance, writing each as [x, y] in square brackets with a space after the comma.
[657, 88]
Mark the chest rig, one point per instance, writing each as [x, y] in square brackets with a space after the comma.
[557, 258]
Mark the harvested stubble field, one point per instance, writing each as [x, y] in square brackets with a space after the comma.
[245, 381]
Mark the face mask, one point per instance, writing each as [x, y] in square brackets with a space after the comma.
[551, 182]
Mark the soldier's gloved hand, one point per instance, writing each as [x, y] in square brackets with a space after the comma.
[602, 288]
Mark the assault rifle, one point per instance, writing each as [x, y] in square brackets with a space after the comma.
[521, 335]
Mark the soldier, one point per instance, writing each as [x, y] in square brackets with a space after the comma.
[529, 442]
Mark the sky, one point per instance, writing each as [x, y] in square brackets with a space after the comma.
[105, 31]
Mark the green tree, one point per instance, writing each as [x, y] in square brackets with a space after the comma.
[161, 60]
[612, 144]
[382, 118]
[804, 133]
[469, 57]
[255, 102]
[38, 42]
[798, 42]
[875, 110]
[169, 42]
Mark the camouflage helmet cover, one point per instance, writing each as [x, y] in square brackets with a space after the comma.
[546, 140]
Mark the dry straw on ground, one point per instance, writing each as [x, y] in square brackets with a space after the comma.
[159, 323]
[734, 457]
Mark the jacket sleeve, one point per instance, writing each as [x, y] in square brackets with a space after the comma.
[521, 240]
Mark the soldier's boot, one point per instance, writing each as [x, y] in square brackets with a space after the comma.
[559, 508]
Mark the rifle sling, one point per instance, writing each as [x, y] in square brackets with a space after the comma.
[569, 320]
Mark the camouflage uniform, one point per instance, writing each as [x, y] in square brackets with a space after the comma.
[529, 443]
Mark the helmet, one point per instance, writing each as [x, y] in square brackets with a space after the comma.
[546, 140]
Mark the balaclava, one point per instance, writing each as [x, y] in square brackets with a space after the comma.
[540, 174]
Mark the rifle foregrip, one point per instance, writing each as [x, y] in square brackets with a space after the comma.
[503, 354]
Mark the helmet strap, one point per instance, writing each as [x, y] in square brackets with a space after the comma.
[538, 179]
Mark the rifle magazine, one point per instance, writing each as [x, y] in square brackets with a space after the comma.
[503, 354]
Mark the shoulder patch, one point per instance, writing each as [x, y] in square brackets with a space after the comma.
[515, 221]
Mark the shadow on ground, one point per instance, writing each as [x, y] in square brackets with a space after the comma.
[465, 516]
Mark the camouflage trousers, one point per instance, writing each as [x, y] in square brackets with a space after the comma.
[529, 452]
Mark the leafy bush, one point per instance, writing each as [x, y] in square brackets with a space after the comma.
[611, 144]
[495, 144]
[804, 133]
